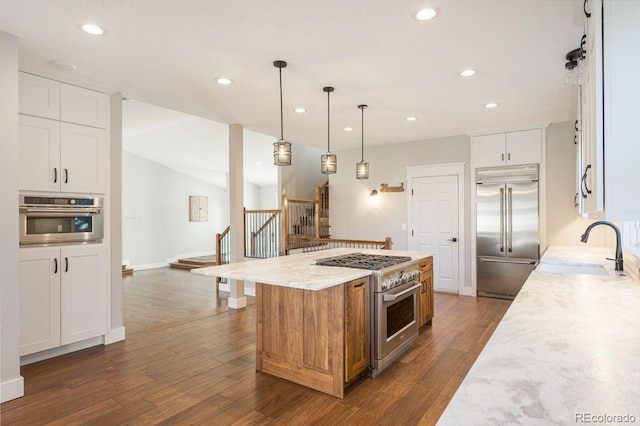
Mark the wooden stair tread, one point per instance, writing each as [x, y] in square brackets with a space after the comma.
[194, 262]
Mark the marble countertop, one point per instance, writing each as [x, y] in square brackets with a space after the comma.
[298, 270]
[566, 351]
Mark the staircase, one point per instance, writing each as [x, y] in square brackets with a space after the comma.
[194, 262]
[126, 271]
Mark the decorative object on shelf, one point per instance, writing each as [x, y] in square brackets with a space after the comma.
[328, 161]
[386, 188]
[362, 168]
[373, 193]
[281, 148]
[198, 208]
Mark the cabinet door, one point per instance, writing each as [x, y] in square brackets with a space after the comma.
[524, 147]
[490, 150]
[39, 154]
[83, 106]
[84, 292]
[356, 328]
[425, 299]
[83, 152]
[39, 299]
[39, 96]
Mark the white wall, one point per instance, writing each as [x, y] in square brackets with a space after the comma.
[251, 196]
[155, 206]
[268, 197]
[11, 383]
[564, 225]
[354, 214]
[299, 180]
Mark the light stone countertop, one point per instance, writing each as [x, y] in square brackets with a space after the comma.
[567, 348]
[298, 270]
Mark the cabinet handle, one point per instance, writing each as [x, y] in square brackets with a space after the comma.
[55, 175]
[584, 182]
[502, 157]
[583, 43]
[358, 285]
[575, 200]
[575, 139]
[509, 156]
[55, 265]
[584, 7]
[66, 264]
[66, 176]
[576, 126]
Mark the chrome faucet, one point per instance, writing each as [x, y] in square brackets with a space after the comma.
[618, 258]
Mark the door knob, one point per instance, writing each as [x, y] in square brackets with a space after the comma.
[454, 239]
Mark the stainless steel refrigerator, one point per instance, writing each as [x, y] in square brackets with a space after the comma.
[507, 244]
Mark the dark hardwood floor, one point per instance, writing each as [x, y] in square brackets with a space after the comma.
[199, 368]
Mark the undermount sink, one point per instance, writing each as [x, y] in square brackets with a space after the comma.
[573, 268]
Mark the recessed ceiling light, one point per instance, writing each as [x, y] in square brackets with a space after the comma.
[467, 73]
[411, 118]
[63, 65]
[491, 105]
[92, 29]
[426, 14]
[224, 81]
[300, 109]
[258, 163]
[348, 129]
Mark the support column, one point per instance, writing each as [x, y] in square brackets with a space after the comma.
[237, 299]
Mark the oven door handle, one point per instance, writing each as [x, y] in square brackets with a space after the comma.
[392, 297]
[58, 213]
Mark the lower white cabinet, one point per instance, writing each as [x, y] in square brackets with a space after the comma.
[63, 295]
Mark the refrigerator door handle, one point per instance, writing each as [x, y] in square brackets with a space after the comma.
[501, 219]
[510, 219]
[521, 262]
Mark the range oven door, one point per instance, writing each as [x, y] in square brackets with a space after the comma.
[41, 225]
[396, 323]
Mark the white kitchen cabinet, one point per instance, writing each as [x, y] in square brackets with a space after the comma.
[39, 96]
[511, 148]
[63, 295]
[83, 106]
[42, 97]
[65, 157]
[610, 147]
[39, 299]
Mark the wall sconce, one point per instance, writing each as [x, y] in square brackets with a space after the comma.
[373, 193]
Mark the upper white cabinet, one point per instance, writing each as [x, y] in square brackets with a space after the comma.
[63, 137]
[42, 97]
[83, 106]
[65, 157]
[610, 91]
[39, 96]
[511, 148]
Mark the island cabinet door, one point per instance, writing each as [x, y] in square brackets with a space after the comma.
[358, 321]
[425, 299]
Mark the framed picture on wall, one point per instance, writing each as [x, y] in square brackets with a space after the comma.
[198, 208]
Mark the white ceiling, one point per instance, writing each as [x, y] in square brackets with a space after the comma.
[169, 52]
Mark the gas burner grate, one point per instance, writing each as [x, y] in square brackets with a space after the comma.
[371, 262]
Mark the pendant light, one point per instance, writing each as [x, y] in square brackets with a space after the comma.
[362, 168]
[329, 161]
[281, 148]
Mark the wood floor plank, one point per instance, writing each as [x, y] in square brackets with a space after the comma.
[196, 365]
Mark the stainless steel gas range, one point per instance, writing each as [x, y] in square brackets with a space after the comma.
[395, 284]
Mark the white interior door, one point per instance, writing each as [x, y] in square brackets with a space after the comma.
[435, 227]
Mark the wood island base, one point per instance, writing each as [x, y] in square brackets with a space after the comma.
[319, 339]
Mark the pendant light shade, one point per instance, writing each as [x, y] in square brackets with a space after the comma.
[328, 161]
[362, 168]
[281, 148]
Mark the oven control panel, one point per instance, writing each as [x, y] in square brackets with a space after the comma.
[399, 277]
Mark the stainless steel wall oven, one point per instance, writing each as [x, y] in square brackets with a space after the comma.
[51, 219]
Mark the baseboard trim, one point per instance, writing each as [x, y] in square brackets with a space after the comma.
[237, 303]
[115, 335]
[150, 266]
[12, 389]
[62, 350]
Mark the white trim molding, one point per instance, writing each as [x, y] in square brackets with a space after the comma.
[447, 169]
[237, 303]
[114, 335]
[12, 389]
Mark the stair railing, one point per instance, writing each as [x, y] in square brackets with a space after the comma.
[223, 249]
[300, 220]
[315, 244]
[263, 233]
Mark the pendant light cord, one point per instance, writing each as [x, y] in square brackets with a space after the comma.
[281, 119]
[362, 134]
[328, 122]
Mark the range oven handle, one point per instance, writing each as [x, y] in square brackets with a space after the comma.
[392, 297]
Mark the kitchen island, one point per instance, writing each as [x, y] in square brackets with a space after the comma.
[567, 351]
[312, 321]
